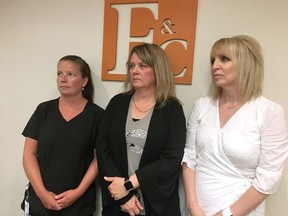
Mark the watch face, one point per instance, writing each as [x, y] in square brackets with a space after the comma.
[128, 185]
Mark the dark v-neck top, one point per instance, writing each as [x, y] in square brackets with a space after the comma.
[65, 149]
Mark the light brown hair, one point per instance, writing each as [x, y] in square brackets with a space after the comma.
[154, 57]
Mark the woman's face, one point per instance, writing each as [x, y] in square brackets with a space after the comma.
[141, 75]
[223, 71]
[69, 79]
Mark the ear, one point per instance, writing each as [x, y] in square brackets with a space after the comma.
[85, 81]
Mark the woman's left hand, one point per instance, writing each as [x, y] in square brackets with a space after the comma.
[116, 188]
[132, 207]
[67, 198]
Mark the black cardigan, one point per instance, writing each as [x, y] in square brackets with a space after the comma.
[160, 164]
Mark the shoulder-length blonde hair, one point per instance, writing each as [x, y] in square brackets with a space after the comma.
[246, 52]
[154, 57]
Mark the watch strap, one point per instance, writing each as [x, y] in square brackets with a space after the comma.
[126, 198]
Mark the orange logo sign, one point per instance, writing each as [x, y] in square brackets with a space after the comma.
[169, 23]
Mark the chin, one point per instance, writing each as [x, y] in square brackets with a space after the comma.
[137, 85]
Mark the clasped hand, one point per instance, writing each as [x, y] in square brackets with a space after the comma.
[118, 191]
[57, 202]
[132, 207]
[116, 187]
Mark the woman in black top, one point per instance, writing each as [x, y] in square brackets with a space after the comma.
[141, 141]
[59, 158]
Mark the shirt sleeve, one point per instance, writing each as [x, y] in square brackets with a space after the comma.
[31, 128]
[190, 147]
[273, 149]
[159, 167]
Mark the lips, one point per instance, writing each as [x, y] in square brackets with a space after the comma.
[216, 76]
[136, 79]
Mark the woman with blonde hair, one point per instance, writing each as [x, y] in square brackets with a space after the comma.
[237, 139]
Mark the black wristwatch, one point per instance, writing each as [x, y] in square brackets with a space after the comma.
[128, 185]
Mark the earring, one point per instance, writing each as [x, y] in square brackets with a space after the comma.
[82, 88]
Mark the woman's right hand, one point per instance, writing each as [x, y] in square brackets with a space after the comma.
[32, 171]
[49, 201]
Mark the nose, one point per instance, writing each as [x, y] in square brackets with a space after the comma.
[215, 64]
[135, 69]
[63, 78]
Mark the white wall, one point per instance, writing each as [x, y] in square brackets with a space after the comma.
[35, 34]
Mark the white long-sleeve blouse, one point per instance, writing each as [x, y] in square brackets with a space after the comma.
[250, 149]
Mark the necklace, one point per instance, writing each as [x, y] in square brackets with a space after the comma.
[142, 111]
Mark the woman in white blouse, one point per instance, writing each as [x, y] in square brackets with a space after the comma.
[237, 139]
